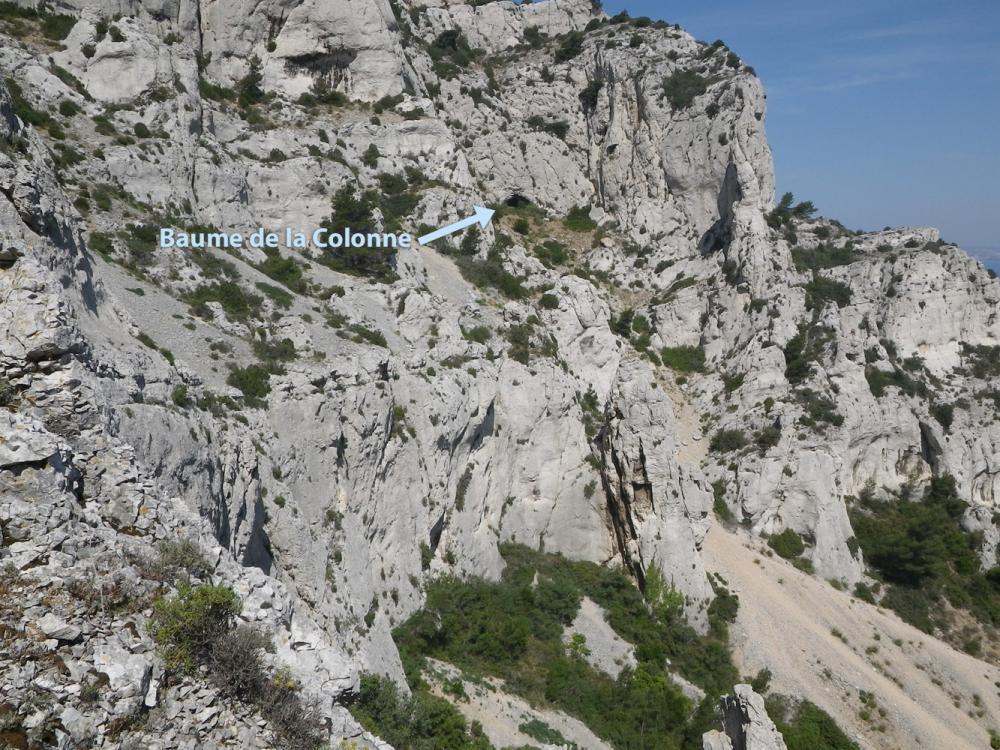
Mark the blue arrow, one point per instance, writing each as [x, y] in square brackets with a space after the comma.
[482, 217]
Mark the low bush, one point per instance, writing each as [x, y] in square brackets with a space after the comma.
[683, 358]
[194, 629]
[824, 256]
[879, 380]
[253, 381]
[944, 414]
[921, 550]
[578, 220]
[513, 629]
[551, 253]
[237, 303]
[187, 625]
[805, 349]
[822, 290]
[8, 393]
[719, 501]
[355, 210]
[787, 544]
[490, 274]
[805, 726]
[570, 47]
[726, 441]
[179, 395]
[173, 560]
[682, 87]
[421, 720]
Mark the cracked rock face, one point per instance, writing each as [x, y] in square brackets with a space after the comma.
[424, 421]
[747, 725]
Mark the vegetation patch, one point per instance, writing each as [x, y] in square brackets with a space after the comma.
[787, 544]
[237, 303]
[253, 381]
[513, 629]
[682, 87]
[578, 220]
[805, 726]
[194, 630]
[918, 547]
[787, 210]
[804, 350]
[355, 211]
[684, 358]
[726, 441]
[421, 720]
[824, 256]
[822, 290]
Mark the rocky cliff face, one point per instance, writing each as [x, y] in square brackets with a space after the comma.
[421, 420]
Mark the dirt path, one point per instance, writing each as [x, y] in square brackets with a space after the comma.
[692, 446]
[826, 646]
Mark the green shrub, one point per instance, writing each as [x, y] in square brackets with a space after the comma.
[236, 303]
[513, 629]
[804, 349]
[824, 256]
[982, 360]
[944, 414]
[821, 290]
[279, 296]
[421, 720]
[578, 220]
[194, 628]
[880, 380]
[186, 625]
[682, 87]
[787, 544]
[463, 486]
[719, 501]
[787, 209]
[922, 551]
[8, 393]
[68, 108]
[551, 253]
[556, 128]
[57, 27]
[490, 273]
[549, 301]
[805, 726]
[179, 395]
[768, 437]
[355, 210]
[539, 730]
[253, 381]
[363, 335]
[684, 358]
[285, 270]
[174, 560]
[371, 156]
[725, 441]
[818, 409]
[570, 47]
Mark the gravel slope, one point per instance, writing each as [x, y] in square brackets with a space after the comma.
[789, 622]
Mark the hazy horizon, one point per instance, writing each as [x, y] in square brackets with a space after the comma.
[883, 113]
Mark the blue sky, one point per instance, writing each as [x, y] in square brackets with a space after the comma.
[882, 112]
